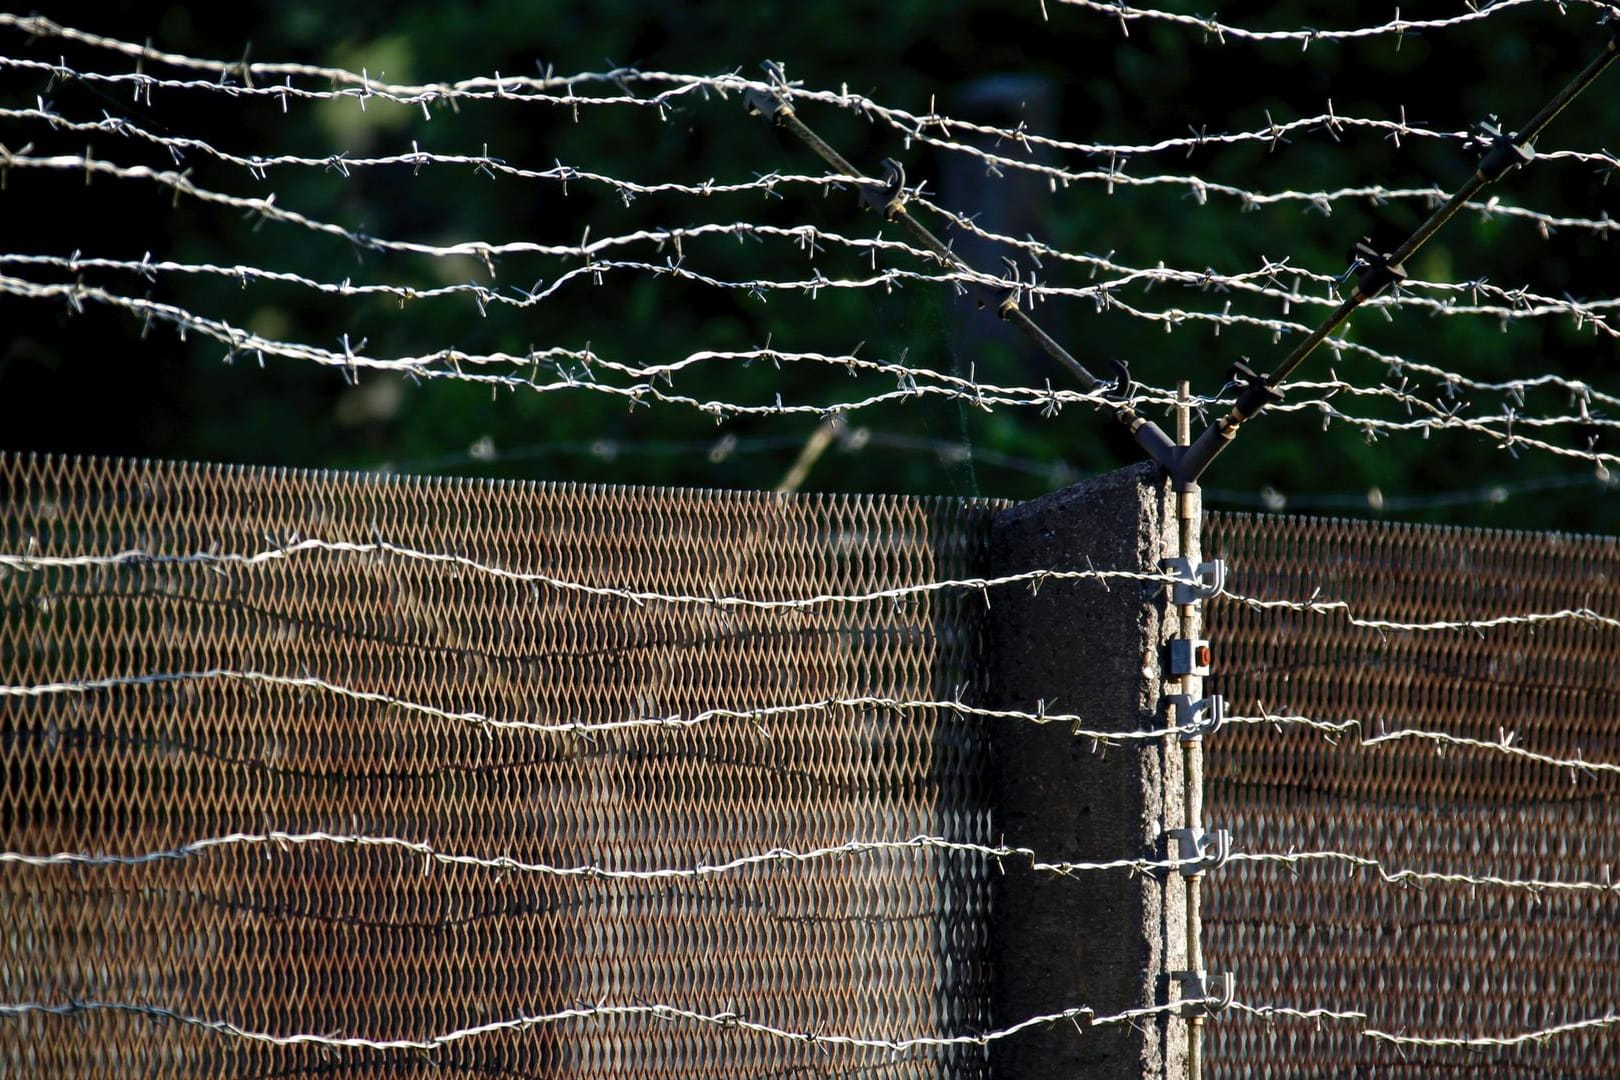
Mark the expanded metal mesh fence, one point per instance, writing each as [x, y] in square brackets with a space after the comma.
[380, 776]
[361, 687]
[1435, 958]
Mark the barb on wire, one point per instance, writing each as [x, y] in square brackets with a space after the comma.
[1271, 1013]
[137, 558]
[1081, 1017]
[1370, 734]
[759, 717]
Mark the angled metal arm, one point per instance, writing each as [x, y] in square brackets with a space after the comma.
[891, 202]
[1376, 272]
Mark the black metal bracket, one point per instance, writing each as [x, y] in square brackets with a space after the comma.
[1374, 270]
[1255, 391]
[890, 200]
[1505, 153]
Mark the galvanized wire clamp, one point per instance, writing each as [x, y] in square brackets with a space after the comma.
[1193, 718]
[1204, 582]
[1204, 993]
[1198, 850]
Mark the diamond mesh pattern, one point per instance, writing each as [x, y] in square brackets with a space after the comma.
[1441, 960]
[369, 942]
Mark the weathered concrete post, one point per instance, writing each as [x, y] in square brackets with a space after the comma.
[1104, 939]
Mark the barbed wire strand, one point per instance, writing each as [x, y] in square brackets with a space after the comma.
[135, 558]
[237, 341]
[909, 124]
[507, 865]
[1305, 37]
[996, 854]
[1407, 877]
[758, 718]
[1343, 609]
[1271, 1013]
[1081, 1017]
[1113, 177]
[1518, 303]
[913, 382]
[1371, 734]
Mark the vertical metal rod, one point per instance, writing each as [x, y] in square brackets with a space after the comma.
[1188, 514]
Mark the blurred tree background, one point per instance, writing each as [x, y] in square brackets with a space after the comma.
[101, 382]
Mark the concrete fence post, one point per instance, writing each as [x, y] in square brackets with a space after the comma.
[1104, 939]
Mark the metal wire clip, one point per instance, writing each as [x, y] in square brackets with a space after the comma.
[1204, 992]
[1209, 580]
[1195, 718]
[1198, 850]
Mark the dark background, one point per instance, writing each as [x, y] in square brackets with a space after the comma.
[93, 383]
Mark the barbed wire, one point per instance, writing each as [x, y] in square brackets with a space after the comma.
[449, 364]
[1271, 1013]
[757, 718]
[760, 717]
[342, 163]
[1081, 1017]
[351, 360]
[997, 854]
[1266, 281]
[1343, 609]
[1306, 36]
[136, 558]
[1370, 734]
[1033, 579]
[910, 125]
[149, 269]
[1439, 416]
[1112, 177]
[505, 864]
[1518, 303]
[1406, 877]
[1522, 303]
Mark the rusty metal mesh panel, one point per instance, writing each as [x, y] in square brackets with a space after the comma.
[1443, 959]
[374, 942]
